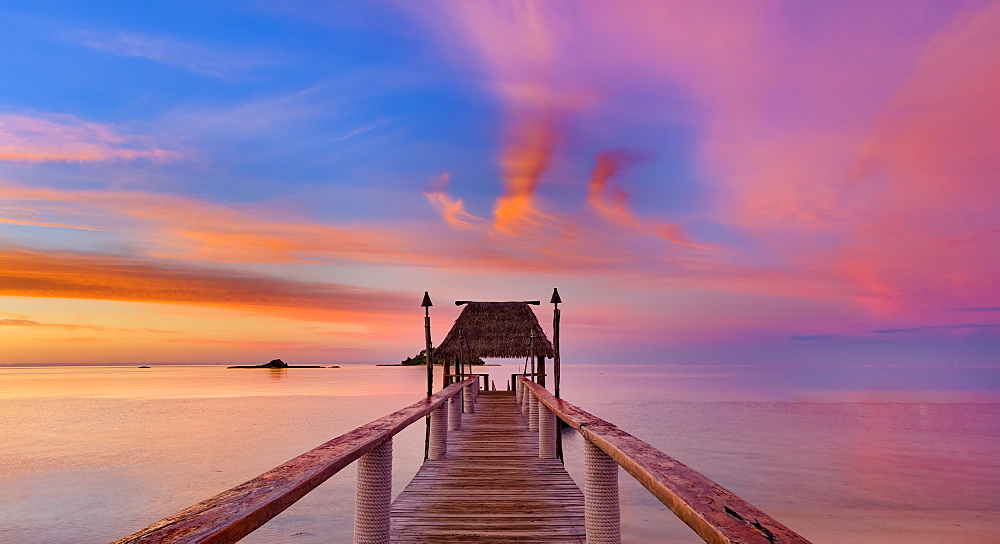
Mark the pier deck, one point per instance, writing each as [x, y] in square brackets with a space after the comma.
[492, 487]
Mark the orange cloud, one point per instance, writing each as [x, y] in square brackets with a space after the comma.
[526, 156]
[191, 229]
[106, 277]
[612, 202]
[451, 209]
[68, 139]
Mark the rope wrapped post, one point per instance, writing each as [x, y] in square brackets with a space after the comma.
[533, 417]
[470, 398]
[546, 432]
[518, 391]
[438, 446]
[602, 517]
[525, 408]
[374, 495]
[455, 413]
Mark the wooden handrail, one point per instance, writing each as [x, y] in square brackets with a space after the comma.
[716, 514]
[235, 513]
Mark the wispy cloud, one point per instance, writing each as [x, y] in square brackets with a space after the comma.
[108, 277]
[65, 138]
[980, 309]
[953, 327]
[451, 209]
[31, 323]
[611, 202]
[200, 58]
[808, 337]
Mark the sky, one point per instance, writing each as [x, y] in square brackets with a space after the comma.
[779, 183]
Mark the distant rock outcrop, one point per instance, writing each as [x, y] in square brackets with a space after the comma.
[275, 363]
[421, 359]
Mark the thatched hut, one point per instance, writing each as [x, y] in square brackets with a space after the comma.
[507, 330]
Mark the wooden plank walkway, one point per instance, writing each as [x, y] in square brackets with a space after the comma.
[492, 487]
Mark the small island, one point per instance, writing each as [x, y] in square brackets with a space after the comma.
[276, 363]
[421, 359]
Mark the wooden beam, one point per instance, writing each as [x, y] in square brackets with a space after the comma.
[716, 514]
[235, 513]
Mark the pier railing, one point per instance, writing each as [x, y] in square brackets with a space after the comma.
[716, 514]
[235, 513]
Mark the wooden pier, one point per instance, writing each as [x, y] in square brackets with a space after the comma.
[491, 472]
[491, 487]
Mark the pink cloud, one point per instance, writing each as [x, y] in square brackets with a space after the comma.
[856, 150]
[451, 209]
[612, 202]
[68, 139]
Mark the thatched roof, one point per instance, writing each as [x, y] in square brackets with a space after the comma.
[495, 329]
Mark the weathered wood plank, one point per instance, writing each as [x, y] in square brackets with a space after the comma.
[235, 513]
[716, 514]
[492, 487]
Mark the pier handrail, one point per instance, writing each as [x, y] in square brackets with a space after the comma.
[236, 512]
[716, 514]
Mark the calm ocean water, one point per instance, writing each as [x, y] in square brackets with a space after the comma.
[89, 454]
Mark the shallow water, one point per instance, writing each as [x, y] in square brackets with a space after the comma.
[89, 454]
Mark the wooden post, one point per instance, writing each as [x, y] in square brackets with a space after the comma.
[547, 430]
[531, 355]
[374, 495]
[455, 413]
[446, 381]
[556, 368]
[525, 408]
[555, 339]
[541, 370]
[430, 367]
[439, 433]
[532, 412]
[470, 398]
[602, 516]
[427, 343]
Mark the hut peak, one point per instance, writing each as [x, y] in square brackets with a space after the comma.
[508, 330]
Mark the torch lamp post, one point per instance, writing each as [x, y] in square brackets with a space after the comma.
[427, 343]
[555, 337]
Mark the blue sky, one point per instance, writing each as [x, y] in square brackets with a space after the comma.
[713, 183]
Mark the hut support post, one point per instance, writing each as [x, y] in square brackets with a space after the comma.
[374, 495]
[439, 433]
[541, 370]
[602, 517]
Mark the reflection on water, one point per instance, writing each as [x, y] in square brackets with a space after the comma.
[88, 454]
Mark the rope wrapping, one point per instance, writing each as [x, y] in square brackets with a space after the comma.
[438, 447]
[524, 402]
[374, 495]
[546, 433]
[602, 517]
[455, 413]
[518, 390]
[470, 399]
[533, 418]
